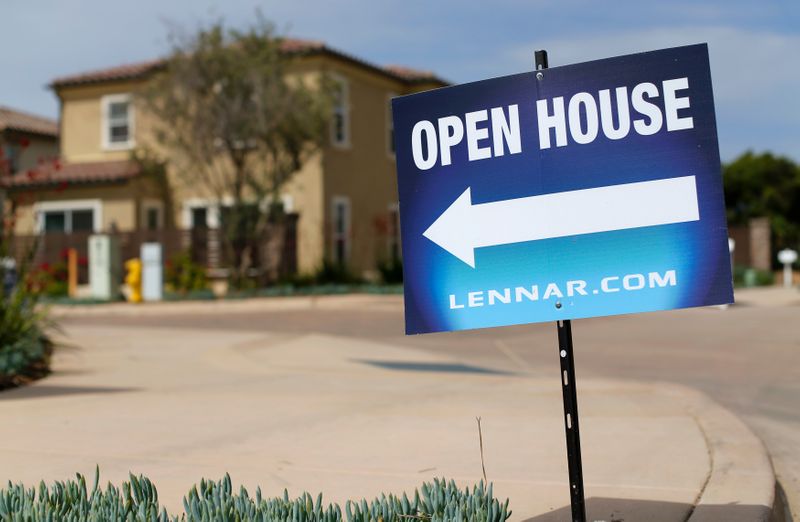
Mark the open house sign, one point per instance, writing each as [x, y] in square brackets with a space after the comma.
[585, 190]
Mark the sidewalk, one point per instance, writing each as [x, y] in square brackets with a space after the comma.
[354, 418]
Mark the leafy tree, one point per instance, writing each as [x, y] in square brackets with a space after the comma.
[764, 185]
[237, 120]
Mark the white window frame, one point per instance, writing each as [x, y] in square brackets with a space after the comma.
[342, 109]
[345, 235]
[213, 208]
[212, 211]
[390, 126]
[105, 131]
[286, 200]
[67, 206]
[149, 204]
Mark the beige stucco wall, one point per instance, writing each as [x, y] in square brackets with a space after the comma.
[364, 172]
[38, 149]
[306, 192]
[82, 122]
[120, 203]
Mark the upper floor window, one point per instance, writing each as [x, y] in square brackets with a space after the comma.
[117, 121]
[11, 155]
[340, 124]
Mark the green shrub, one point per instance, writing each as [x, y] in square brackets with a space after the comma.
[184, 275]
[25, 358]
[335, 273]
[24, 349]
[50, 279]
[206, 294]
[391, 271]
[748, 277]
[137, 501]
[329, 273]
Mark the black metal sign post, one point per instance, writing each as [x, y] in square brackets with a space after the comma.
[569, 393]
[565, 355]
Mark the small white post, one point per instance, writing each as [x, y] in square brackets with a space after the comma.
[731, 249]
[152, 272]
[105, 270]
[787, 257]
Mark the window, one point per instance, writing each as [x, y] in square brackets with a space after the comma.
[340, 125]
[11, 155]
[82, 220]
[55, 221]
[214, 213]
[341, 230]
[390, 126]
[117, 122]
[152, 216]
[68, 216]
[247, 216]
[199, 217]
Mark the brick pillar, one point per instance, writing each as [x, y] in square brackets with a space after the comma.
[760, 244]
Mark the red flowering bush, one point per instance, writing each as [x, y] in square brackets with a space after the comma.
[50, 280]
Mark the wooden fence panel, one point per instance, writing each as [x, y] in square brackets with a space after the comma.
[274, 256]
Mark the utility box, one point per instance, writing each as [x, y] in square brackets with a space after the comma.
[105, 268]
[152, 272]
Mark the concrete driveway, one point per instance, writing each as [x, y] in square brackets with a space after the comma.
[328, 395]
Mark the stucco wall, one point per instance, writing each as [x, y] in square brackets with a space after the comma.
[82, 122]
[119, 203]
[364, 172]
[38, 149]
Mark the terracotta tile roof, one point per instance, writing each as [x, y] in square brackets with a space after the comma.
[412, 75]
[24, 122]
[121, 72]
[289, 45]
[299, 45]
[56, 173]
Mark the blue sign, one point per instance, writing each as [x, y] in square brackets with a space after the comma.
[579, 191]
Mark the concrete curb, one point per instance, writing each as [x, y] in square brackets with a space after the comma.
[375, 302]
[741, 470]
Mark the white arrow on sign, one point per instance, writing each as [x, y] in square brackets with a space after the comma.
[463, 227]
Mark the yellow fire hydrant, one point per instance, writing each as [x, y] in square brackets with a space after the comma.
[133, 279]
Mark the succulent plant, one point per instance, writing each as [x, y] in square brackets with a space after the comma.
[210, 501]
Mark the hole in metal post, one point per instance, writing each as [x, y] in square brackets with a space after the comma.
[563, 353]
[566, 379]
[569, 421]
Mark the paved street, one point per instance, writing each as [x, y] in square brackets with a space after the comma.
[745, 357]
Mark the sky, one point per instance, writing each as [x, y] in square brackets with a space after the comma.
[754, 46]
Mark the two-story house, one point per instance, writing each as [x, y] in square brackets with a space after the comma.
[26, 141]
[345, 196]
